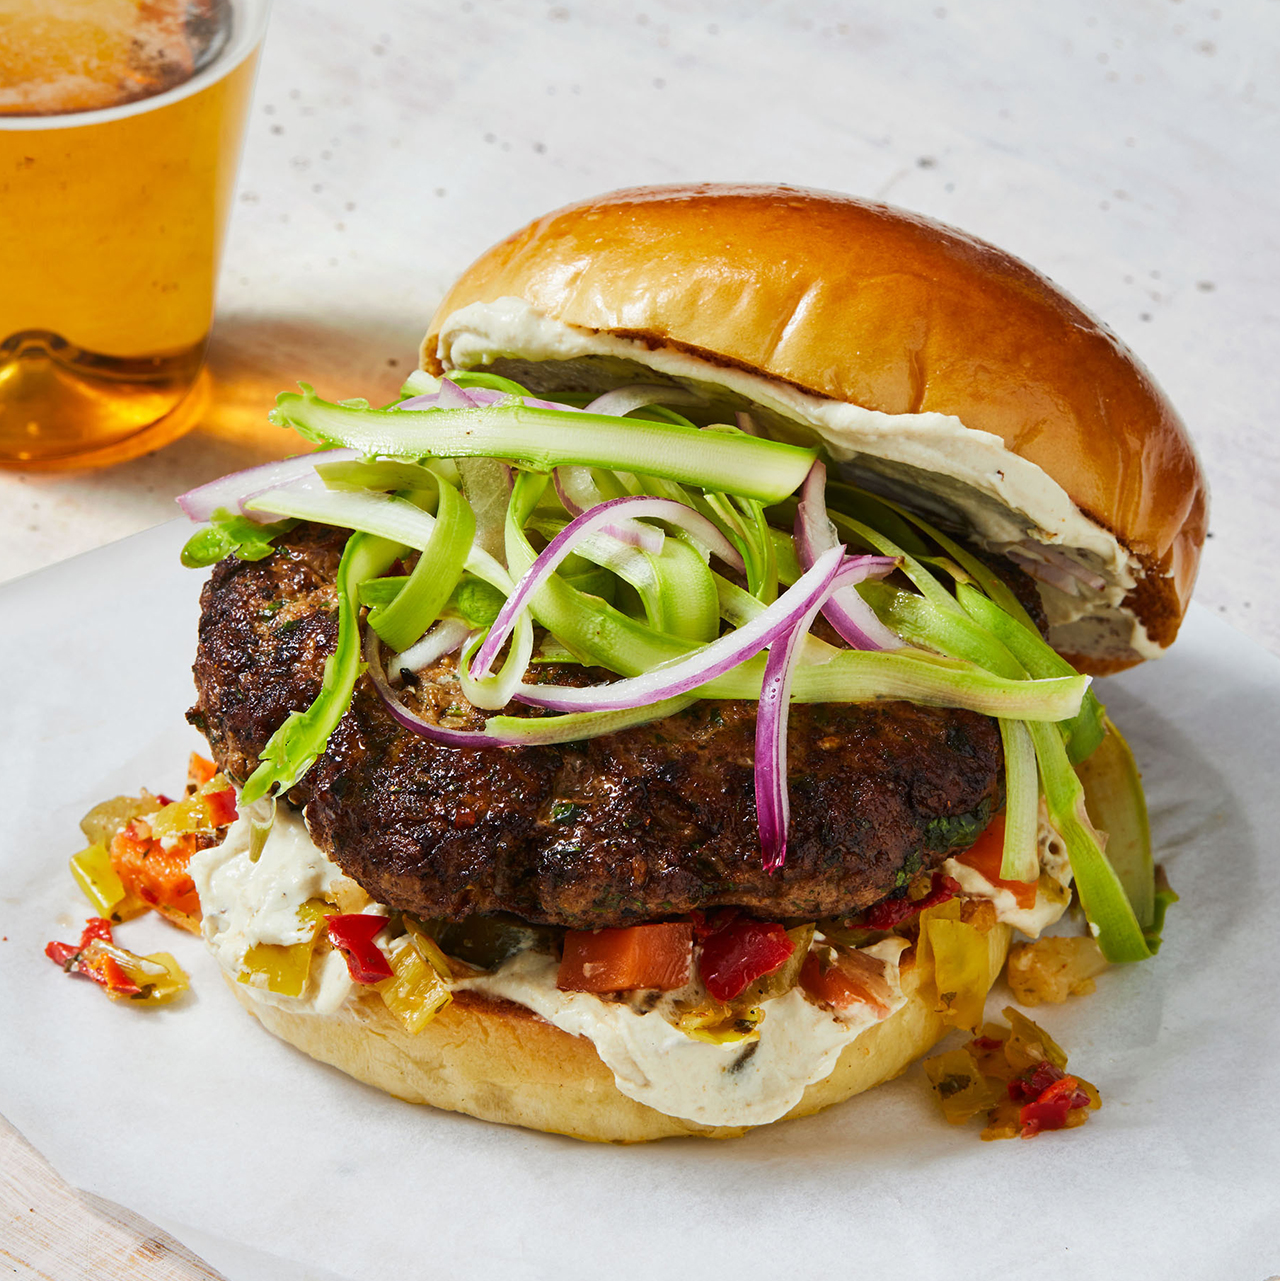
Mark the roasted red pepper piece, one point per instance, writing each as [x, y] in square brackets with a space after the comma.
[633, 957]
[742, 951]
[1052, 1095]
[199, 770]
[352, 935]
[893, 911]
[103, 970]
[222, 807]
[1030, 1086]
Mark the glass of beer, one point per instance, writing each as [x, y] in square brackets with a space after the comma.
[120, 132]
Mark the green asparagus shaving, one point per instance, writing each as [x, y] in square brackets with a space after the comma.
[419, 383]
[1083, 732]
[491, 382]
[925, 582]
[1021, 860]
[1102, 896]
[544, 438]
[232, 535]
[574, 727]
[1165, 897]
[688, 605]
[472, 600]
[384, 474]
[294, 747]
[922, 622]
[784, 553]
[400, 623]
[860, 676]
[763, 552]
[876, 512]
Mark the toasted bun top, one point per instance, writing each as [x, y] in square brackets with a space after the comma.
[853, 302]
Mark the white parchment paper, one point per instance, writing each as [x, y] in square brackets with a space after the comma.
[272, 1166]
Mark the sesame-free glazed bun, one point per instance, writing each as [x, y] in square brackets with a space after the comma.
[810, 309]
[500, 1062]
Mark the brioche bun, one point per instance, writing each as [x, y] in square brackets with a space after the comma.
[499, 1061]
[797, 302]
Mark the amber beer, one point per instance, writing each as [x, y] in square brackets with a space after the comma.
[111, 226]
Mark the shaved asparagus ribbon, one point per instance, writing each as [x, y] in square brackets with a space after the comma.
[617, 488]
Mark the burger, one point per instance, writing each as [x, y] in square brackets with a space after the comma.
[657, 720]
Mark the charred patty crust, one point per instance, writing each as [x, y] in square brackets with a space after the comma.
[654, 821]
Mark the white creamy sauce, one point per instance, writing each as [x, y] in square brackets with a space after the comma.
[1006, 500]
[1029, 920]
[748, 1082]
[244, 903]
[653, 1062]
[1048, 907]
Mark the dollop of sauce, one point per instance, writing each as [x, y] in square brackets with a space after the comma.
[243, 903]
[653, 1062]
[749, 1082]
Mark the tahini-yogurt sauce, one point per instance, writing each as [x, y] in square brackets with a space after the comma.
[244, 903]
[744, 1083]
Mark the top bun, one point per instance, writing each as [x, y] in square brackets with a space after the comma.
[930, 366]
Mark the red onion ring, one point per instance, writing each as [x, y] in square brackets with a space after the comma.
[707, 662]
[232, 492]
[594, 521]
[846, 611]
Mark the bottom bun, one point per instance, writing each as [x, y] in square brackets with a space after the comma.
[499, 1061]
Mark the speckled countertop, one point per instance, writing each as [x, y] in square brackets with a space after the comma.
[1126, 150]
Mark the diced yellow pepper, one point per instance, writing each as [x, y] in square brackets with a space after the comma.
[181, 817]
[157, 990]
[962, 1089]
[102, 822]
[417, 993]
[429, 949]
[961, 964]
[1029, 1043]
[284, 968]
[102, 887]
[158, 976]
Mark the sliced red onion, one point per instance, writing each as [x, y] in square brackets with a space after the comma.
[846, 611]
[579, 493]
[576, 489]
[1057, 569]
[622, 400]
[773, 799]
[232, 492]
[748, 424]
[597, 519]
[446, 636]
[706, 663]
[451, 396]
[437, 733]
[632, 533]
[1056, 556]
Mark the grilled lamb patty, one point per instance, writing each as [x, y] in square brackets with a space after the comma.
[654, 821]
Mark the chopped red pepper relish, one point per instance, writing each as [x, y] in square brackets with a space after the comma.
[352, 935]
[1023, 1064]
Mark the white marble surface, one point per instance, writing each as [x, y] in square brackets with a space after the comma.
[1127, 150]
